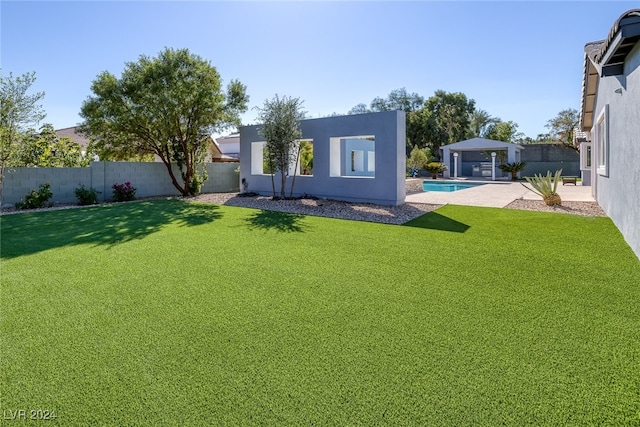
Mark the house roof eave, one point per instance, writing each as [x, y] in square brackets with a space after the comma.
[590, 79]
[606, 58]
[623, 36]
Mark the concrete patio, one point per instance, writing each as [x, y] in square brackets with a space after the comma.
[496, 194]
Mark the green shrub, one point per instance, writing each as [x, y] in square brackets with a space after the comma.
[417, 160]
[36, 198]
[124, 192]
[435, 168]
[86, 196]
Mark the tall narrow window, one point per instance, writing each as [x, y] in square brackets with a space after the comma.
[585, 156]
[602, 141]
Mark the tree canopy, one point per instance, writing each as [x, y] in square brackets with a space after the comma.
[398, 99]
[47, 149]
[168, 106]
[503, 131]
[20, 112]
[448, 119]
[561, 127]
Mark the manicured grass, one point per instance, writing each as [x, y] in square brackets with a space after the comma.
[175, 313]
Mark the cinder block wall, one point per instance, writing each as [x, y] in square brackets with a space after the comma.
[18, 182]
[541, 158]
[149, 179]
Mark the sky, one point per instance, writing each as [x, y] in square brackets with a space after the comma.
[519, 60]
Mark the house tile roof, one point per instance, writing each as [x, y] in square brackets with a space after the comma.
[629, 17]
[606, 58]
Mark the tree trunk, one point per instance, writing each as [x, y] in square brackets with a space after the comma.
[1, 180]
[295, 170]
[283, 177]
[283, 181]
[167, 163]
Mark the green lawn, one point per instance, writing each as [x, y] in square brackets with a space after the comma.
[174, 313]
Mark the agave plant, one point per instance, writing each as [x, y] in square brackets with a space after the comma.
[513, 168]
[546, 186]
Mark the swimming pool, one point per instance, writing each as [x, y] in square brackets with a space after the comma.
[448, 187]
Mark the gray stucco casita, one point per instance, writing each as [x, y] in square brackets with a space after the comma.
[611, 113]
[356, 158]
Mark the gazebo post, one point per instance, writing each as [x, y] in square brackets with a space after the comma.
[455, 165]
[493, 166]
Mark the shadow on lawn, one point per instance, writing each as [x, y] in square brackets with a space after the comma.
[436, 221]
[29, 233]
[279, 221]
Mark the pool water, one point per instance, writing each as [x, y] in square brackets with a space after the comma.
[447, 187]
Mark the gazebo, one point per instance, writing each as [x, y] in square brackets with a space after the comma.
[452, 155]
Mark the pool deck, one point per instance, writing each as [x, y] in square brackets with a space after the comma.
[497, 194]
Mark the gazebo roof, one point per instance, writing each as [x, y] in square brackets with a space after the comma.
[481, 144]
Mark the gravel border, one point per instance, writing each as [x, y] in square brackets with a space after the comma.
[353, 211]
[568, 207]
[325, 208]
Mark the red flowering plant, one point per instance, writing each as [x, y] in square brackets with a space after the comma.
[123, 192]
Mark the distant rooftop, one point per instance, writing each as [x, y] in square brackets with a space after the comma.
[78, 138]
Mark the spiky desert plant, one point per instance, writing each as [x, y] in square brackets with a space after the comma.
[546, 186]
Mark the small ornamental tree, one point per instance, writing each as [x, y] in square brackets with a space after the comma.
[19, 114]
[280, 118]
[167, 106]
[418, 159]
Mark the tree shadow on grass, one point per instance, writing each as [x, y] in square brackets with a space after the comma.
[29, 233]
[436, 221]
[279, 221]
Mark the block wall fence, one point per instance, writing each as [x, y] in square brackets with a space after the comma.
[149, 178]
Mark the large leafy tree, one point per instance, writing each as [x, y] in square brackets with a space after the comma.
[398, 99]
[561, 127]
[167, 106]
[20, 112]
[448, 119]
[359, 109]
[503, 131]
[280, 127]
[419, 128]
